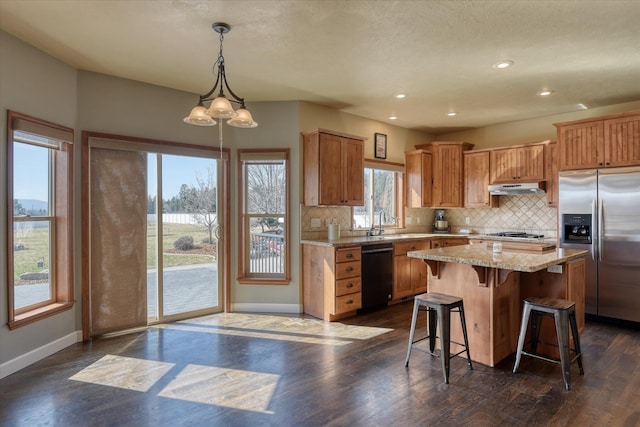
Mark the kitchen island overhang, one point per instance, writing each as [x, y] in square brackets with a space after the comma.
[493, 287]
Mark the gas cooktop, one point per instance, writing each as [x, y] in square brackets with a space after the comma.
[517, 234]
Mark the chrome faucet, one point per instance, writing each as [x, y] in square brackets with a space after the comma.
[381, 230]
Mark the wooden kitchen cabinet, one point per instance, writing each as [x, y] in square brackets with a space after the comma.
[331, 281]
[409, 274]
[523, 163]
[476, 180]
[448, 241]
[606, 141]
[333, 168]
[551, 173]
[447, 172]
[418, 178]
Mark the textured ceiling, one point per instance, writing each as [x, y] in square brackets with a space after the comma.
[354, 55]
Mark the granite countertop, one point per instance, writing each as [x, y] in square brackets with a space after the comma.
[480, 255]
[366, 240]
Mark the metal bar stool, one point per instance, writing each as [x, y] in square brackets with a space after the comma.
[439, 308]
[564, 314]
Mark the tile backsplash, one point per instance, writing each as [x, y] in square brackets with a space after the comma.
[528, 213]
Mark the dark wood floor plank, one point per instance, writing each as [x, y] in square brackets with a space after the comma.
[361, 383]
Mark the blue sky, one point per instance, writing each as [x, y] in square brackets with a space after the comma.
[178, 170]
[30, 169]
[30, 172]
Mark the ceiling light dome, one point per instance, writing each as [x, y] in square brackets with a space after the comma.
[242, 120]
[221, 108]
[546, 92]
[505, 63]
[199, 117]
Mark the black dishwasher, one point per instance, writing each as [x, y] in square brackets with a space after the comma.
[377, 275]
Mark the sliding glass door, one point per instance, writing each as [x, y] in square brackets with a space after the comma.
[183, 241]
[154, 235]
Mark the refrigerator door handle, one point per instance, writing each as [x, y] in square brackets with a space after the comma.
[593, 227]
[600, 229]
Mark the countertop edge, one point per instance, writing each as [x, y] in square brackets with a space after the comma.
[530, 268]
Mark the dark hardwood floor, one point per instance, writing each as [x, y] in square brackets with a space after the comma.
[314, 375]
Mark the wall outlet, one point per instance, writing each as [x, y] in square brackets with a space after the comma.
[316, 223]
[408, 220]
[417, 220]
[327, 222]
[555, 269]
[467, 220]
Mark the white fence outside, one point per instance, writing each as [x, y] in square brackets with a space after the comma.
[174, 218]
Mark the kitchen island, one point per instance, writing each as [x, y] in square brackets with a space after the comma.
[493, 287]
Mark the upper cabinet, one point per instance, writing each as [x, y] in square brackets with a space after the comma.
[476, 181]
[608, 141]
[551, 172]
[447, 173]
[418, 178]
[517, 164]
[333, 168]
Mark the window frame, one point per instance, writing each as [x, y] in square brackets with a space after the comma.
[398, 170]
[60, 217]
[244, 275]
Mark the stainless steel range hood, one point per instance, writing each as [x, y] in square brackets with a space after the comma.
[517, 188]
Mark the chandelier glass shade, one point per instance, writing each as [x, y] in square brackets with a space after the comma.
[220, 107]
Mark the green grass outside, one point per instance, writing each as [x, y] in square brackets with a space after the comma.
[170, 234]
[35, 246]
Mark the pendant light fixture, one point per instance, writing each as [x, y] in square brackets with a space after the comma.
[220, 106]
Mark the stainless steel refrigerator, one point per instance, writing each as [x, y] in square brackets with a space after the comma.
[599, 210]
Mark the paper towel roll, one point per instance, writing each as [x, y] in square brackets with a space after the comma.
[334, 231]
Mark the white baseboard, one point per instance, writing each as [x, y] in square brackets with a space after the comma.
[20, 362]
[266, 308]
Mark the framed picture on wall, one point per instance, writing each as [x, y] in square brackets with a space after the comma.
[380, 146]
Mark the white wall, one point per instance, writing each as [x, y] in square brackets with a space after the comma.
[36, 84]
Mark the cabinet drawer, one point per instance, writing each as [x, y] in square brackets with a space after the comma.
[401, 249]
[348, 254]
[441, 243]
[348, 303]
[348, 269]
[348, 286]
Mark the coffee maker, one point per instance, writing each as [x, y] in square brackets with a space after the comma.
[440, 225]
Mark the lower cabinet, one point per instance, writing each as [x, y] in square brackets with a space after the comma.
[335, 292]
[443, 243]
[409, 274]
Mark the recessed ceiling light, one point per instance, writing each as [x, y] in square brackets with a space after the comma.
[451, 114]
[392, 117]
[503, 64]
[546, 92]
[400, 95]
[583, 106]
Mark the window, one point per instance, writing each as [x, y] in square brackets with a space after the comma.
[39, 235]
[384, 203]
[264, 227]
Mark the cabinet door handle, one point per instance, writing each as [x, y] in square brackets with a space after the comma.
[349, 255]
[349, 268]
[349, 285]
[349, 302]
[413, 248]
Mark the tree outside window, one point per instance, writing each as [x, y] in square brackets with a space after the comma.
[264, 206]
[381, 199]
